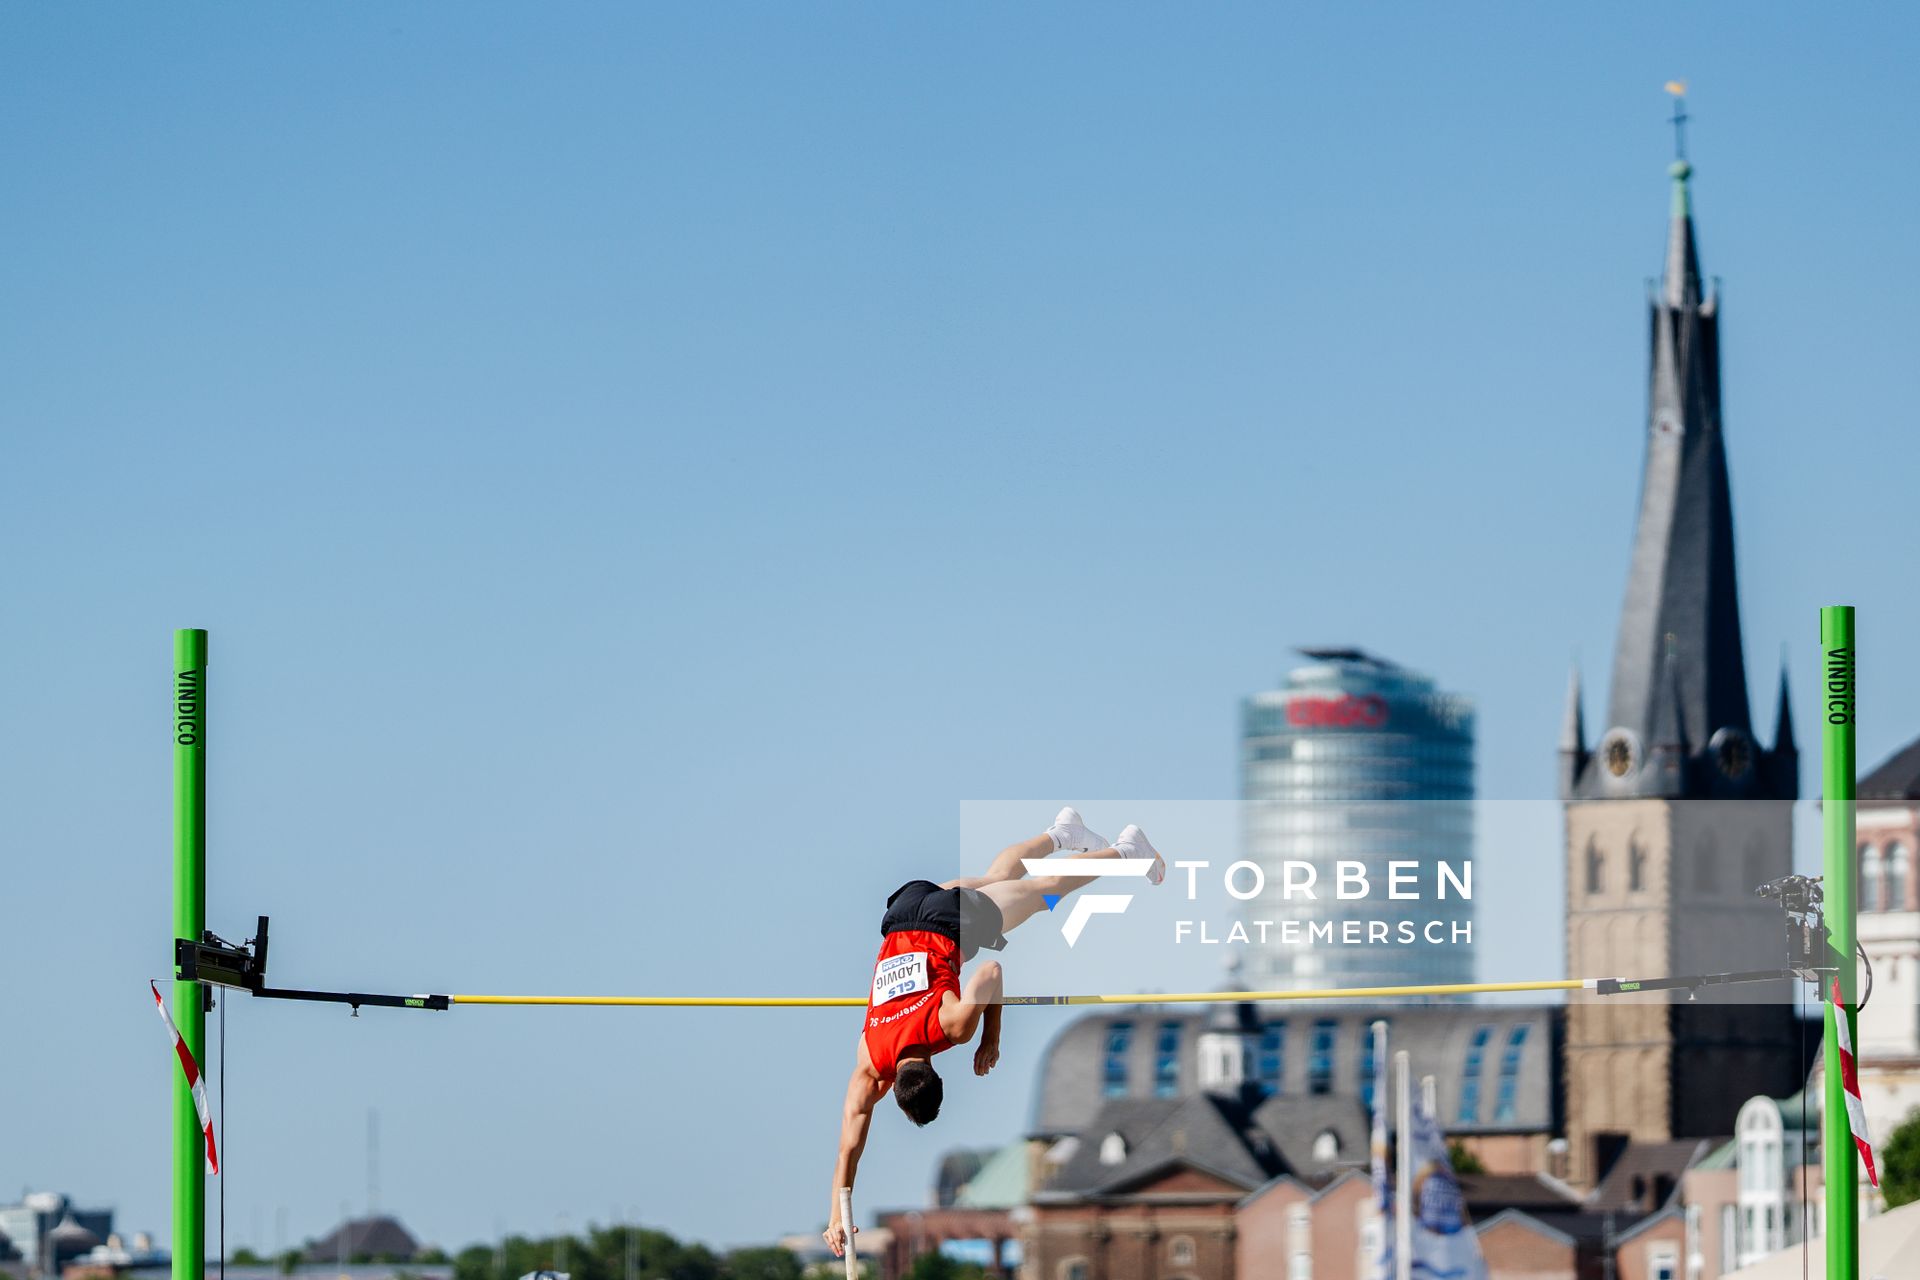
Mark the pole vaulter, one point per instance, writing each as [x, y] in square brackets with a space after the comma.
[918, 1007]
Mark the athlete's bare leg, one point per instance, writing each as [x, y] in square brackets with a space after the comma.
[1006, 863]
[1020, 900]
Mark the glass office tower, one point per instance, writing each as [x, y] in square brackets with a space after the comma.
[1357, 760]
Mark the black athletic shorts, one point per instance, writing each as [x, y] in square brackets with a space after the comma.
[968, 916]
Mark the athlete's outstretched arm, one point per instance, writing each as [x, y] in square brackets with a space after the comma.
[856, 1113]
[981, 1003]
[987, 1056]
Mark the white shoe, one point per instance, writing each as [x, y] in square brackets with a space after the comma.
[1069, 832]
[1133, 844]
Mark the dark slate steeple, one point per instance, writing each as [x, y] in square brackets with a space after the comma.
[1573, 729]
[1678, 722]
[1783, 743]
[1784, 760]
[1573, 734]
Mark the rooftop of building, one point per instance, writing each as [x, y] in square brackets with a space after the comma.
[1074, 1080]
[1131, 1141]
[1000, 1182]
[1347, 668]
[1646, 1175]
[1895, 778]
[1489, 1193]
[1888, 1244]
[375, 1237]
[1346, 655]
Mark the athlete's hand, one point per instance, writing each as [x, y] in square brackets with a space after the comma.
[836, 1238]
[986, 1057]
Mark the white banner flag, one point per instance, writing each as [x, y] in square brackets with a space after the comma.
[1444, 1245]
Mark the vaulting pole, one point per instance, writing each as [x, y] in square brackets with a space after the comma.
[1402, 1165]
[1837, 669]
[189, 921]
[846, 1221]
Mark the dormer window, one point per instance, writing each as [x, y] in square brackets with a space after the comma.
[1618, 753]
[1326, 1147]
[1113, 1149]
[1732, 753]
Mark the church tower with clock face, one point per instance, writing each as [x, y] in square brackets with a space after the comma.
[1677, 812]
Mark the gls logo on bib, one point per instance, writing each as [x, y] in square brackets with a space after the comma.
[900, 975]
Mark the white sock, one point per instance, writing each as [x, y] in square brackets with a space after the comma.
[1069, 832]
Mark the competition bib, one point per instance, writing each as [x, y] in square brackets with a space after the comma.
[900, 975]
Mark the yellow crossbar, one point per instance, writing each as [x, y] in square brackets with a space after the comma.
[1325, 993]
[679, 1002]
[1155, 997]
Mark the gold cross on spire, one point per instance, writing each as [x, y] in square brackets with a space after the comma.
[1678, 88]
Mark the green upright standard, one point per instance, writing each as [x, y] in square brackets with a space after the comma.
[1837, 669]
[189, 921]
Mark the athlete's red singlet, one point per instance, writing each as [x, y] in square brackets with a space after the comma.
[915, 970]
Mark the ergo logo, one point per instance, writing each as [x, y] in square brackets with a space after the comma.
[1366, 711]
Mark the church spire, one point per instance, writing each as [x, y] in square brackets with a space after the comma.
[1681, 590]
[1679, 674]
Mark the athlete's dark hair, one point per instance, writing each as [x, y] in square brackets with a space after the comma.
[917, 1088]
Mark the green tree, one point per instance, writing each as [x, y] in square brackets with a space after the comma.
[767, 1263]
[602, 1254]
[475, 1262]
[1899, 1163]
[938, 1266]
[245, 1257]
[1463, 1160]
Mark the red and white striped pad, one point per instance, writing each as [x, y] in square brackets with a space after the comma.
[1850, 1081]
[199, 1085]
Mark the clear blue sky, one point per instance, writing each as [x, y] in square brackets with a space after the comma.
[601, 438]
